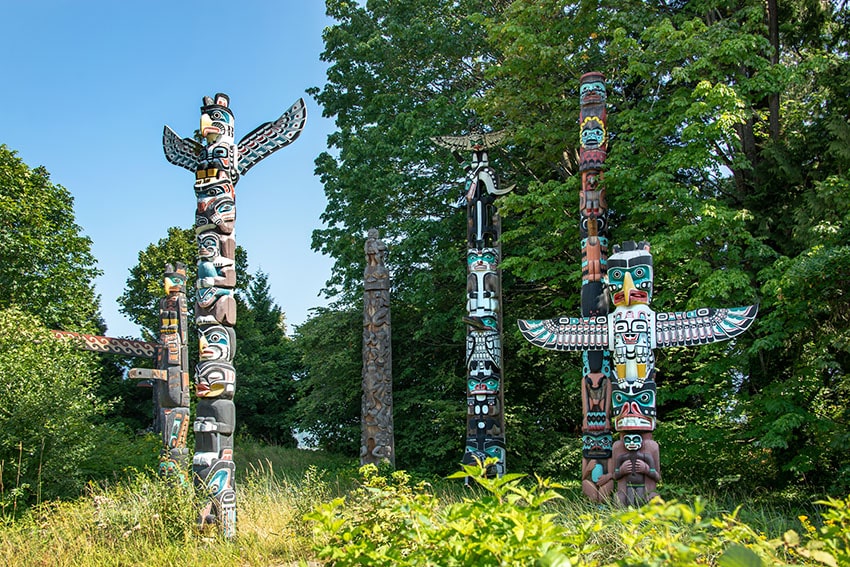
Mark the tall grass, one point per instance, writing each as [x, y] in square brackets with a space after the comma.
[139, 520]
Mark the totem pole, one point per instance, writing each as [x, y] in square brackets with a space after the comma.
[377, 441]
[217, 165]
[596, 479]
[170, 379]
[619, 362]
[485, 431]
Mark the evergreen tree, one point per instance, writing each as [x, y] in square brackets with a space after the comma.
[267, 367]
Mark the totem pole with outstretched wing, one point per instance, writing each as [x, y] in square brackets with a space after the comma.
[217, 164]
[618, 386]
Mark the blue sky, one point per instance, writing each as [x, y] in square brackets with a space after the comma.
[90, 85]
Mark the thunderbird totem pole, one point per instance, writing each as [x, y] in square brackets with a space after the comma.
[377, 440]
[619, 362]
[485, 423]
[217, 165]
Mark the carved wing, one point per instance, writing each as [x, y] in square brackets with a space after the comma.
[484, 346]
[702, 326]
[271, 136]
[110, 345]
[471, 141]
[180, 151]
[567, 333]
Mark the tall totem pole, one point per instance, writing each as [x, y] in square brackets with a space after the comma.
[619, 362]
[485, 423]
[597, 440]
[377, 439]
[217, 165]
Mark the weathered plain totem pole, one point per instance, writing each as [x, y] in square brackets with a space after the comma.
[626, 338]
[377, 441]
[485, 432]
[217, 165]
[170, 379]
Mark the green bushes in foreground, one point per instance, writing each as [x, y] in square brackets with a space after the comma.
[301, 507]
[388, 521]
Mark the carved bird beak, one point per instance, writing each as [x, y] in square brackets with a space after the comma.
[623, 297]
[208, 130]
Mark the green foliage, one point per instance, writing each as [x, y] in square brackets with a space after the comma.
[392, 519]
[328, 406]
[47, 405]
[46, 265]
[388, 521]
[268, 365]
[728, 137]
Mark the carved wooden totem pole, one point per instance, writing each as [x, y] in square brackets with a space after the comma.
[377, 441]
[597, 439]
[170, 379]
[217, 164]
[619, 362]
[485, 431]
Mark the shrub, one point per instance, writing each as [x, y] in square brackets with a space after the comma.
[507, 522]
[46, 410]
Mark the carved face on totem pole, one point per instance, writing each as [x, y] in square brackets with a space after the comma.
[175, 279]
[592, 90]
[483, 379]
[214, 379]
[630, 275]
[220, 248]
[217, 212]
[596, 445]
[217, 342]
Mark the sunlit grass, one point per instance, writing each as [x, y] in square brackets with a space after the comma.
[139, 520]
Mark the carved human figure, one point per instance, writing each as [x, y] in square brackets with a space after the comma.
[636, 467]
[597, 481]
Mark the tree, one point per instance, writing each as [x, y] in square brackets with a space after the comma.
[46, 265]
[728, 124]
[267, 367]
[47, 408]
[328, 407]
[728, 152]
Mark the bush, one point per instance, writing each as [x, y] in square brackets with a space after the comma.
[388, 522]
[46, 410]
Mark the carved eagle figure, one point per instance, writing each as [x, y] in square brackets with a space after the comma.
[677, 328]
[253, 147]
[633, 329]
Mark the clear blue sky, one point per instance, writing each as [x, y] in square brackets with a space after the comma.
[89, 86]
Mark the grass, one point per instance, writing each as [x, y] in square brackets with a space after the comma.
[139, 520]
